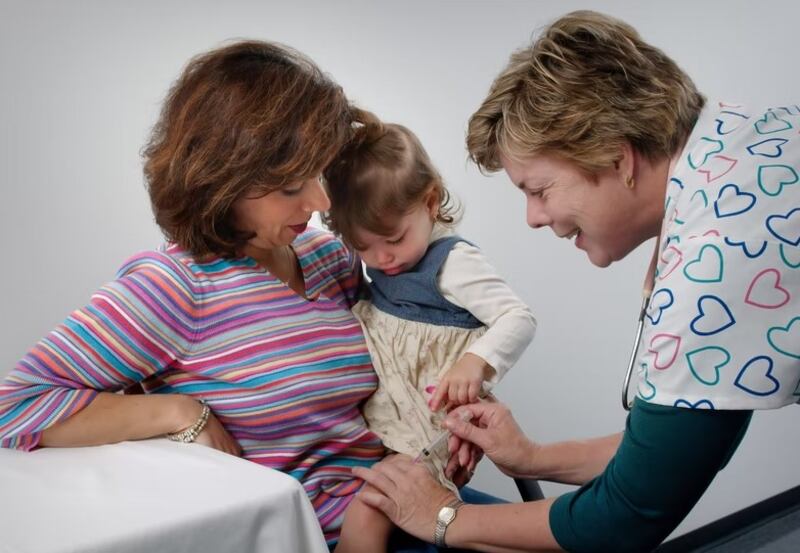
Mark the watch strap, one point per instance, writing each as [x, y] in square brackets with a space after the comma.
[441, 526]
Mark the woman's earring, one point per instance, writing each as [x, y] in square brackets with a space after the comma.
[630, 183]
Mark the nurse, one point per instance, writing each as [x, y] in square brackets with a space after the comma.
[612, 144]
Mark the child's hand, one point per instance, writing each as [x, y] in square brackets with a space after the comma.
[461, 383]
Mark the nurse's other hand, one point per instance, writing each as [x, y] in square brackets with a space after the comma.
[464, 457]
[406, 493]
[494, 430]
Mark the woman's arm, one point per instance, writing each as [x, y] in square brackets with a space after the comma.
[573, 462]
[112, 418]
[132, 329]
[409, 496]
[495, 431]
[512, 527]
[667, 458]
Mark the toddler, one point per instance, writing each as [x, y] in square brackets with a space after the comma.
[441, 326]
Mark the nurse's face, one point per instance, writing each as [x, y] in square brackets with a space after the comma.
[600, 214]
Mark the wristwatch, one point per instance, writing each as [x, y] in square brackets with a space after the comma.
[447, 514]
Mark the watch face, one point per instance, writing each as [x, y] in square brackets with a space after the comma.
[447, 514]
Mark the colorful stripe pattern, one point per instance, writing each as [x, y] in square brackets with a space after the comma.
[284, 375]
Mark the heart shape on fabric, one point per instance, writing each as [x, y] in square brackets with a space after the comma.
[790, 256]
[646, 389]
[706, 361]
[671, 258]
[785, 230]
[705, 148]
[717, 167]
[772, 178]
[713, 317]
[771, 147]
[703, 196]
[790, 110]
[659, 302]
[766, 291]
[771, 123]
[756, 377]
[664, 348]
[729, 121]
[699, 404]
[752, 255]
[711, 232]
[707, 267]
[732, 201]
[786, 339]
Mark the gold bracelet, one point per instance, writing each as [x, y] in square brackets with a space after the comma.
[188, 435]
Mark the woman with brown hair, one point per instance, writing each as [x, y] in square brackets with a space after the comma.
[240, 326]
[612, 144]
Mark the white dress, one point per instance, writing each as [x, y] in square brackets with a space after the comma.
[410, 356]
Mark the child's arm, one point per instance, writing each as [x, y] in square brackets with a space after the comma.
[469, 281]
[462, 382]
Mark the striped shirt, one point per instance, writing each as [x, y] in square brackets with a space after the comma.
[285, 375]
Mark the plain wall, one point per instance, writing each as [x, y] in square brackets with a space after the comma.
[82, 84]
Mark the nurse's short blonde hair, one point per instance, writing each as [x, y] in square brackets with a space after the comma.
[583, 88]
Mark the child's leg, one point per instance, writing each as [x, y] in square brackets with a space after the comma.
[364, 529]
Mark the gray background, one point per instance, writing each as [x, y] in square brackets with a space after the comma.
[82, 83]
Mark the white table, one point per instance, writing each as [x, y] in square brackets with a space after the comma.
[153, 496]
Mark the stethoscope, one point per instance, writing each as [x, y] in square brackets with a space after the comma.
[647, 291]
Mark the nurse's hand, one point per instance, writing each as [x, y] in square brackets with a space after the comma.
[494, 430]
[406, 493]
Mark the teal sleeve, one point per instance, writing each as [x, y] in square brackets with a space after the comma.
[667, 458]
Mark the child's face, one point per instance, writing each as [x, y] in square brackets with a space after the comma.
[404, 246]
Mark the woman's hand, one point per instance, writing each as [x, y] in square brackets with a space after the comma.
[494, 430]
[461, 383]
[214, 434]
[464, 457]
[406, 493]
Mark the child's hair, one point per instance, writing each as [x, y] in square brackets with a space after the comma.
[382, 174]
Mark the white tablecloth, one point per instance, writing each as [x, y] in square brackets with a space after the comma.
[152, 496]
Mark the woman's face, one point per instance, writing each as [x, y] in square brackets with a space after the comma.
[602, 215]
[278, 217]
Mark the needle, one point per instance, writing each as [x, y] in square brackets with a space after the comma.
[466, 416]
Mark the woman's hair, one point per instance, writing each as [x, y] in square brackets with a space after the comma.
[584, 87]
[381, 175]
[246, 118]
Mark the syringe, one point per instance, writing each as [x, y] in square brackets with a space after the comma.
[466, 416]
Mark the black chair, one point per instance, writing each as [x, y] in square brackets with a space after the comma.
[529, 489]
